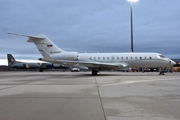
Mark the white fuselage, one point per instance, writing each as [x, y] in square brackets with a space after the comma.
[121, 59]
[129, 59]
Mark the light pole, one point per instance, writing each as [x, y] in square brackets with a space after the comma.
[131, 1]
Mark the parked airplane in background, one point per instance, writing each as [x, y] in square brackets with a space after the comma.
[4, 62]
[96, 61]
[28, 65]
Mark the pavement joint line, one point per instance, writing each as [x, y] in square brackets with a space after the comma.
[137, 81]
[48, 97]
[100, 99]
[7, 87]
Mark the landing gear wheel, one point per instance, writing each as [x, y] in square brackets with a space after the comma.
[161, 73]
[94, 72]
[40, 70]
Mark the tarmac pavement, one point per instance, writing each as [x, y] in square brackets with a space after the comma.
[81, 96]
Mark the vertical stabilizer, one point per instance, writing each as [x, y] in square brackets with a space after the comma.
[11, 60]
[44, 44]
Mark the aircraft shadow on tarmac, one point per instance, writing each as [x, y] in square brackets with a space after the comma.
[115, 74]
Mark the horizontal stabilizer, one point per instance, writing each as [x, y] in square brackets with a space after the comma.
[31, 38]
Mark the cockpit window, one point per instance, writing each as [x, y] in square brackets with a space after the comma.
[161, 56]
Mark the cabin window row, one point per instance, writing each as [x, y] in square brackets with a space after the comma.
[119, 58]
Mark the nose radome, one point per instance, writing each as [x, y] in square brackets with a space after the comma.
[173, 62]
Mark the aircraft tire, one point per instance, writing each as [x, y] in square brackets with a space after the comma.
[40, 70]
[94, 72]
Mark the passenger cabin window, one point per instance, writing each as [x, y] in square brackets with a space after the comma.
[103, 58]
[131, 58]
[126, 58]
[107, 58]
[90, 58]
[98, 58]
[121, 58]
[136, 58]
[94, 58]
[117, 58]
[112, 58]
[144, 57]
[150, 58]
[140, 58]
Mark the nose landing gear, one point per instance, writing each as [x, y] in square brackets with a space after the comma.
[162, 71]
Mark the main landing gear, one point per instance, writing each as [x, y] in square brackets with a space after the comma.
[41, 70]
[94, 72]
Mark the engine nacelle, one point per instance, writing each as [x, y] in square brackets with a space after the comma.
[66, 56]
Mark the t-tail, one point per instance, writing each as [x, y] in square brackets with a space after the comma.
[11, 60]
[44, 45]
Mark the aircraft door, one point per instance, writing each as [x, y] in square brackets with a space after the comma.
[77, 56]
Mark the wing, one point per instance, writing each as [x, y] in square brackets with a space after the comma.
[91, 64]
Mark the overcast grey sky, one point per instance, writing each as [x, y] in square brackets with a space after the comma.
[90, 26]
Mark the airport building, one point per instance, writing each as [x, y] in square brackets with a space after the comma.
[177, 66]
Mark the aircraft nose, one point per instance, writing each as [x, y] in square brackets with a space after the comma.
[172, 62]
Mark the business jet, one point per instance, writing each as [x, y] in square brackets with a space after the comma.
[95, 61]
